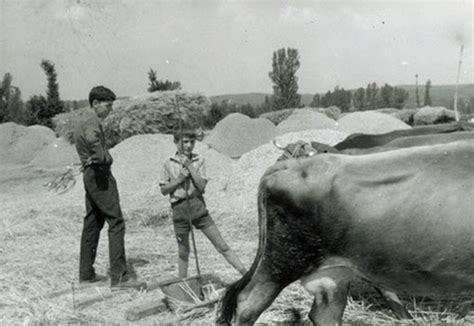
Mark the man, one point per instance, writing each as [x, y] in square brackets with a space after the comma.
[102, 198]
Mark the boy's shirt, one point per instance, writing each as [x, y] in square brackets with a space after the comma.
[173, 166]
[90, 141]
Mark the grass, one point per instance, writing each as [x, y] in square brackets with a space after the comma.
[39, 249]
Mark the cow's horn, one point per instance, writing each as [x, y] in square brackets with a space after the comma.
[277, 145]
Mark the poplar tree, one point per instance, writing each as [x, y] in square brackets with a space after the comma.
[285, 63]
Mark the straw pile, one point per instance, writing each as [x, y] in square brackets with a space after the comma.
[237, 134]
[20, 144]
[154, 113]
[432, 115]
[65, 123]
[305, 119]
[56, 155]
[369, 122]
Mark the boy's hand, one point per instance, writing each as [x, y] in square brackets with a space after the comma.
[186, 163]
[183, 175]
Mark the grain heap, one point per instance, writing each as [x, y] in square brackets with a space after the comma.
[277, 116]
[138, 166]
[368, 122]
[237, 134]
[20, 144]
[305, 119]
[56, 155]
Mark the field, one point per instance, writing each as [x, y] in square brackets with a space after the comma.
[40, 236]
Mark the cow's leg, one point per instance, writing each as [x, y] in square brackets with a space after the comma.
[394, 304]
[329, 302]
[254, 299]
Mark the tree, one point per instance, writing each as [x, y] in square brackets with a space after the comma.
[5, 92]
[416, 93]
[316, 102]
[214, 116]
[285, 63]
[156, 85]
[427, 101]
[11, 104]
[386, 94]
[371, 96]
[359, 99]
[15, 111]
[400, 97]
[38, 111]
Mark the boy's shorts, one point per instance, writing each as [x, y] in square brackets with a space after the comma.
[197, 210]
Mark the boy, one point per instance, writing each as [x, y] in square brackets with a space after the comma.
[102, 198]
[185, 172]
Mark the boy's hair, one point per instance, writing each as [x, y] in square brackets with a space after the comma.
[101, 93]
[188, 132]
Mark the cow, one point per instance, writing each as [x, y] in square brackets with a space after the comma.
[358, 140]
[399, 142]
[401, 220]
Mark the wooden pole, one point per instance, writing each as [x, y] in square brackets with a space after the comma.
[456, 112]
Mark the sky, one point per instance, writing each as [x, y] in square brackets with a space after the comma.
[226, 47]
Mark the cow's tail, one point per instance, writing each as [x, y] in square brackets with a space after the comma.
[229, 300]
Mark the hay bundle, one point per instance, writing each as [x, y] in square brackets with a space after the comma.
[153, 113]
[432, 115]
[304, 119]
[369, 122]
[65, 123]
[237, 134]
[20, 144]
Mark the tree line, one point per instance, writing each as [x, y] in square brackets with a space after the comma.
[40, 109]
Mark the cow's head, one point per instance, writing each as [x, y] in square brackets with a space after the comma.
[294, 150]
[303, 149]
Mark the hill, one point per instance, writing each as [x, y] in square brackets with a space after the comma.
[254, 99]
[441, 95]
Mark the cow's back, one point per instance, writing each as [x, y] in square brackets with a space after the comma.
[403, 217]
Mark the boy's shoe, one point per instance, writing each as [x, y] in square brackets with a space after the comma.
[96, 278]
[128, 284]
